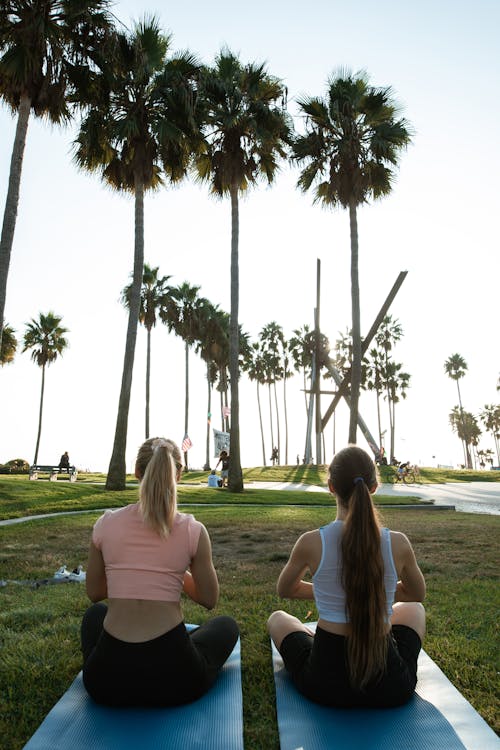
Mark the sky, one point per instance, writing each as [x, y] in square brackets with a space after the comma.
[74, 240]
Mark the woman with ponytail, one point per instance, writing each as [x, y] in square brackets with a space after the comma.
[368, 590]
[136, 649]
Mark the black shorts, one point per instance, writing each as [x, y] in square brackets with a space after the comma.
[175, 668]
[318, 668]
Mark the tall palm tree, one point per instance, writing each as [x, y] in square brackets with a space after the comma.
[490, 417]
[272, 344]
[456, 367]
[396, 384]
[154, 296]
[40, 43]
[213, 339]
[8, 345]
[255, 367]
[350, 147]
[465, 424]
[301, 347]
[247, 130]
[138, 129]
[46, 337]
[387, 336]
[185, 315]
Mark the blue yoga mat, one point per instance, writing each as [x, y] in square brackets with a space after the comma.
[214, 722]
[437, 718]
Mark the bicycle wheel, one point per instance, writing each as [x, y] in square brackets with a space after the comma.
[393, 478]
[409, 477]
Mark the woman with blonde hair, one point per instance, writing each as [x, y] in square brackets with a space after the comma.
[136, 649]
[368, 590]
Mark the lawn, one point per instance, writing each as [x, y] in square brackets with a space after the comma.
[39, 627]
[19, 497]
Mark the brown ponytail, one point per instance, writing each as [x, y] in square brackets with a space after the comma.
[352, 475]
[157, 464]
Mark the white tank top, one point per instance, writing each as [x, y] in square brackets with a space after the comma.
[329, 593]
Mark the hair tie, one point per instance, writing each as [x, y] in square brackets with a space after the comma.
[159, 443]
[358, 479]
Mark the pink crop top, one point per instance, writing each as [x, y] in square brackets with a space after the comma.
[139, 563]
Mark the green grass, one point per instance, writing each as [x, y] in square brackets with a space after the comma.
[39, 628]
[20, 497]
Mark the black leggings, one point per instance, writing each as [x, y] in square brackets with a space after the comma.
[318, 667]
[177, 667]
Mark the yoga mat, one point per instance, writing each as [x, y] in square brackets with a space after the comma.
[438, 717]
[214, 722]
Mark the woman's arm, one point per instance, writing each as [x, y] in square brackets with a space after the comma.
[200, 582]
[95, 581]
[290, 583]
[411, 586]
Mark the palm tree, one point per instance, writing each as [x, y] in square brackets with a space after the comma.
[272, 342]
[375, 381]
[46, 337]
[154, 296]
[184, 316]
[213, 339]
[40, 43]
[138, 126]
[351, 145]
[301, 347]
[396, 384]
[465, 424]
[490, 417]
[255, 367]
[247, 130]
[8, 345]
[456, 367]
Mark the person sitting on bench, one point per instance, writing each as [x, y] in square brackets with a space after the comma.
[136, 650]
[368, 590]
[64, 462]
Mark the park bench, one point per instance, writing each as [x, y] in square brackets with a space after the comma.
[53, 472]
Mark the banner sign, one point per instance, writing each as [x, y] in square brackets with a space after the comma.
[221, 442]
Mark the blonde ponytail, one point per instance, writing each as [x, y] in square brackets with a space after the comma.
[158, 462]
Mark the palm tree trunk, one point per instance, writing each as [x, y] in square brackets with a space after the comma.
[148, 376]
[209, 418]
[186, 402]
[235, 479]
[117, 465]
[356, 324]
[277, 422]
[467, 457]
[286, 418]
[12, 200]
[42, 391]
[271, 416]
[379, 419]
[261, 426]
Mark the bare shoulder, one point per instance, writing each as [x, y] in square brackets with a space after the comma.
[309, 539]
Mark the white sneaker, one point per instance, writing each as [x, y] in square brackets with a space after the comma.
[62, 573]
[78, 574]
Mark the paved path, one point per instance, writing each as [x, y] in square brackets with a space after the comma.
[468, 497]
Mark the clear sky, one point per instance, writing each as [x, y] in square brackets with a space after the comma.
[73, 246]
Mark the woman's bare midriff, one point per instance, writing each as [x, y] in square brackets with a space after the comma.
[139, 620]
[338, 628]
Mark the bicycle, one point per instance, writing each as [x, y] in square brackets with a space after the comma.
[404, 472]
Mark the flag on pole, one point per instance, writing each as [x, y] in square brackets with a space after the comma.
[226, 411]
[186, 443]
